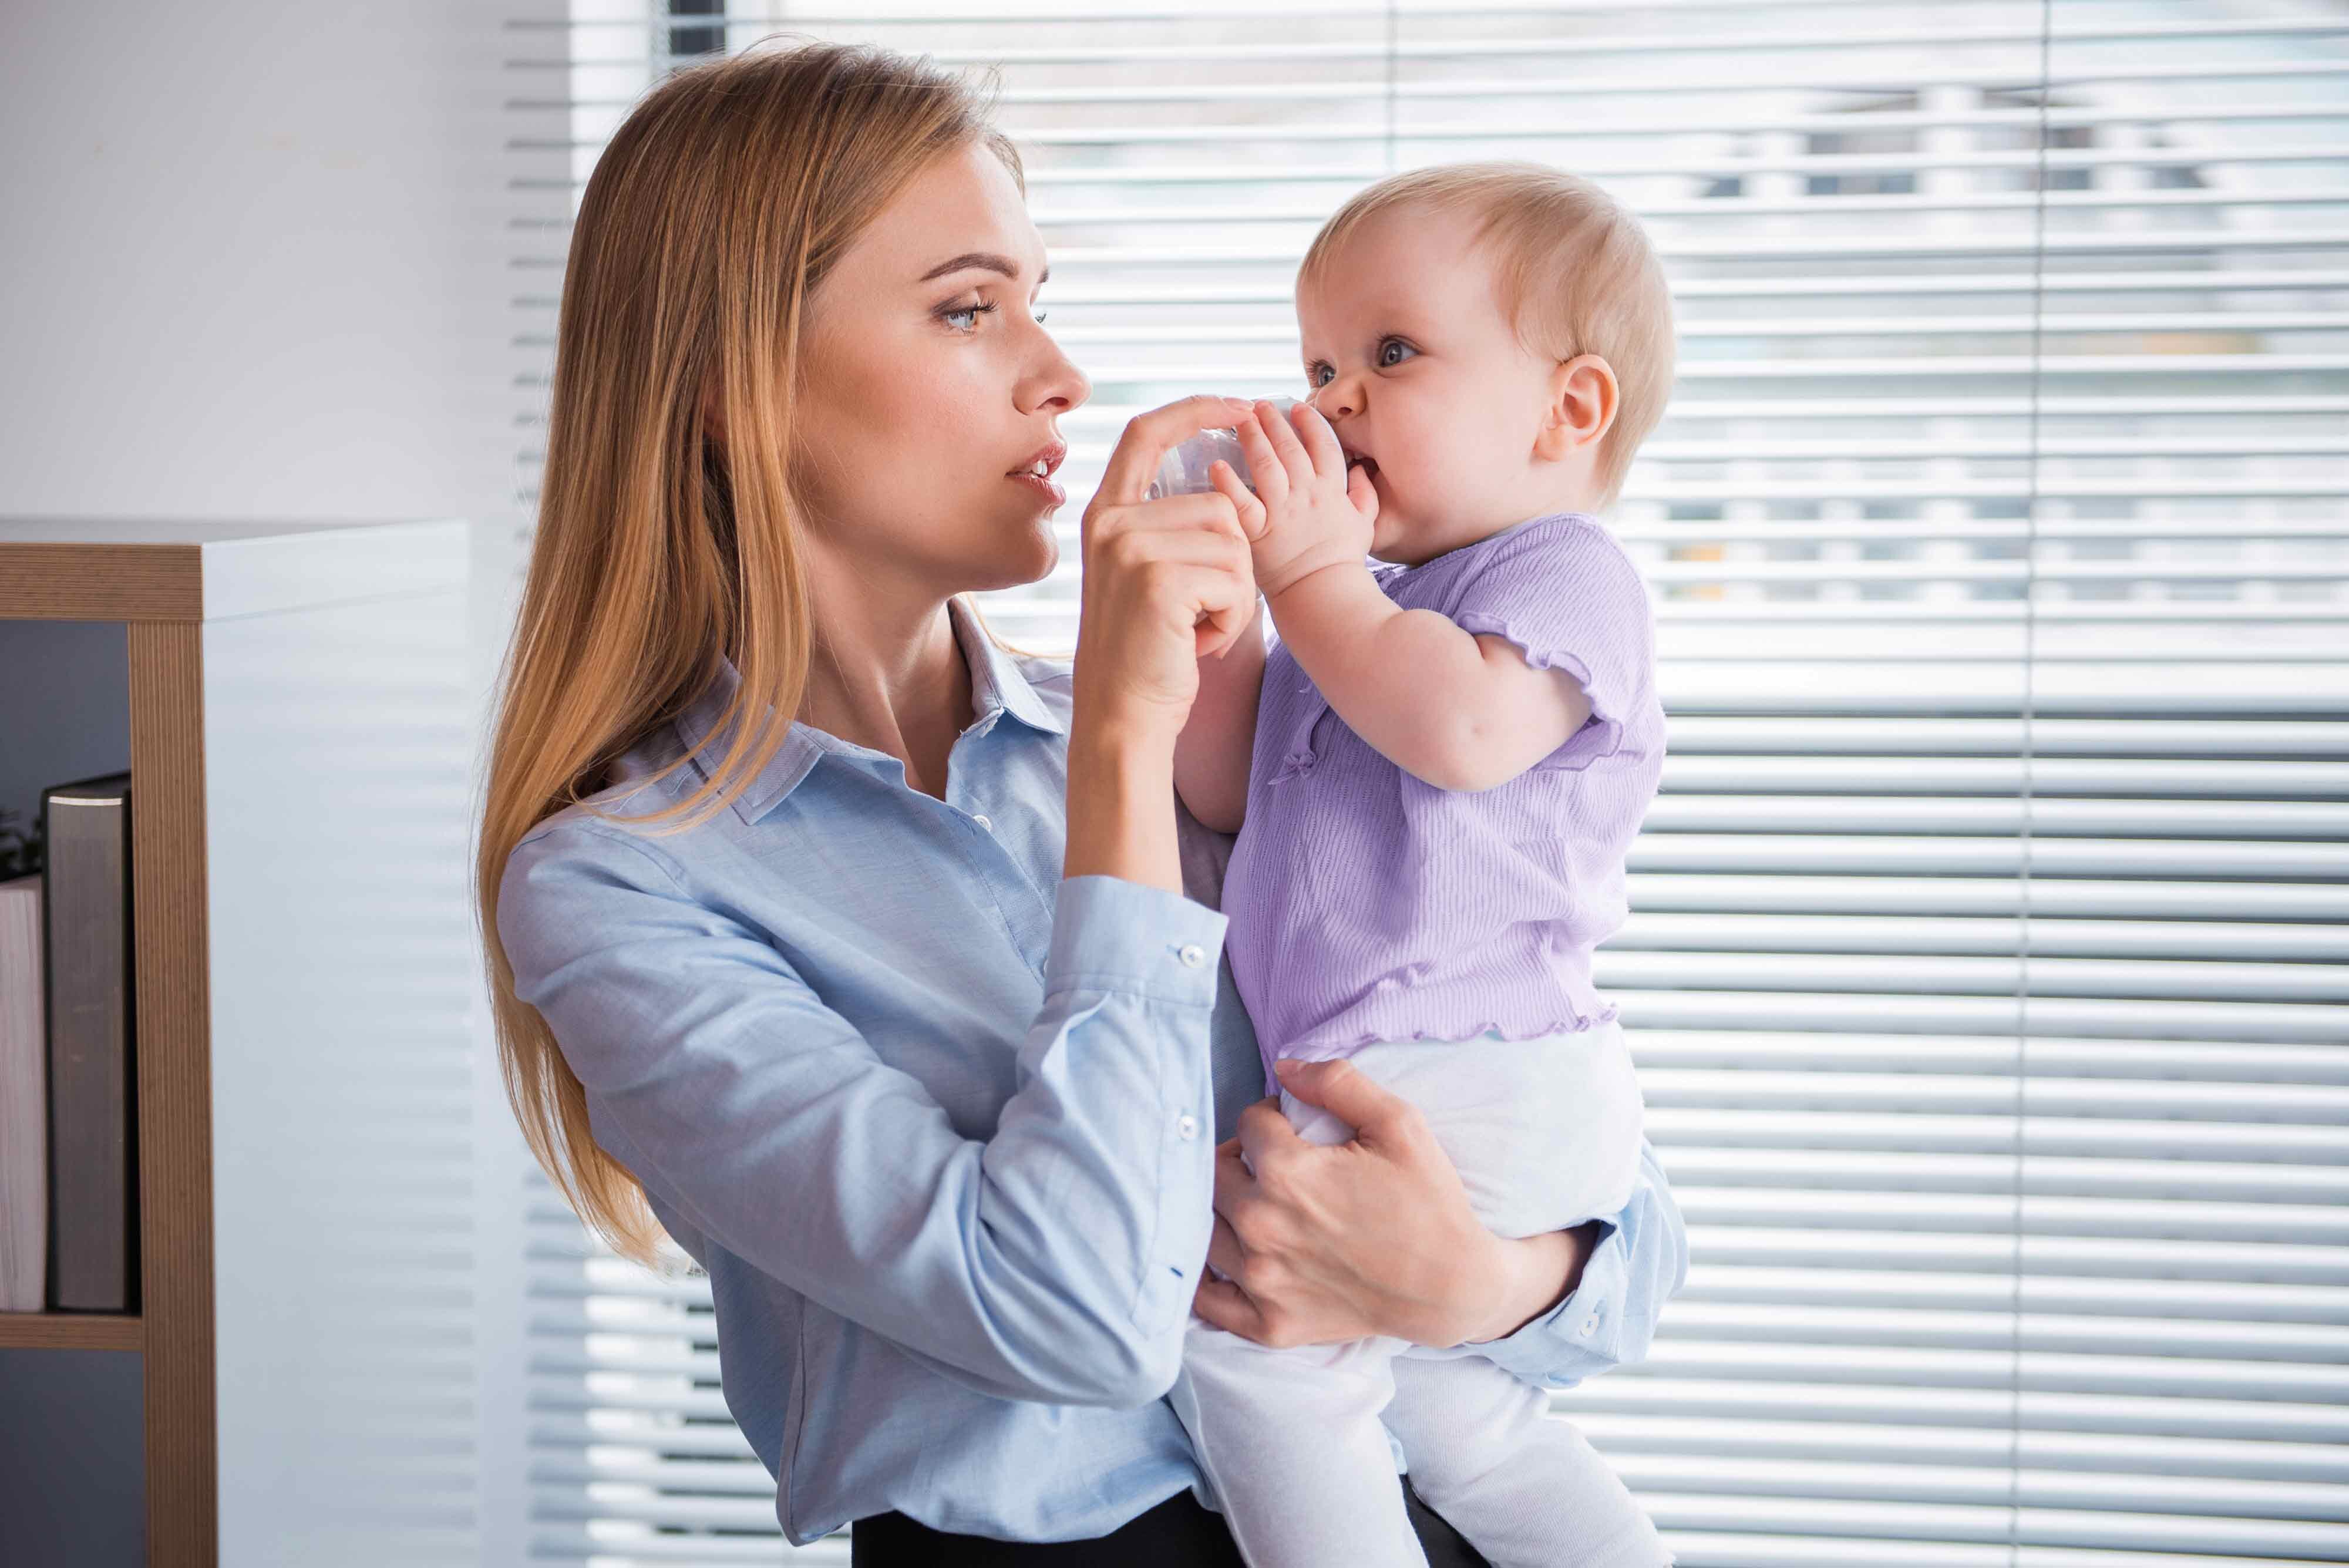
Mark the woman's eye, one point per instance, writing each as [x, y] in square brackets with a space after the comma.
[1385, 362]
[972, 311]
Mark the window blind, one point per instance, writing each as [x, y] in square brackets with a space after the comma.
[1985, 962]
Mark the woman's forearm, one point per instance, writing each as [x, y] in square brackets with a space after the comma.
[1122, 805]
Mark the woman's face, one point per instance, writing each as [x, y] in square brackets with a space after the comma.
[927, 382]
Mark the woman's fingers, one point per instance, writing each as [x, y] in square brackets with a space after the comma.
[1208, 510]
[1149, 437]
[1217, 599]
[1265, 1137]
[1374, 1235]
[1224, 1253]
[1222, 1301]
[1201, 568]
[1227, 1306]
[1376, 1113]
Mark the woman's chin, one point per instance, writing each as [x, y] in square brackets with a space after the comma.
[1023, 558]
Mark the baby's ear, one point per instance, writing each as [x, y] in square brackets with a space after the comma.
[1584, 400]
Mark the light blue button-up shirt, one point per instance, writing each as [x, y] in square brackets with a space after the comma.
[938, 1122]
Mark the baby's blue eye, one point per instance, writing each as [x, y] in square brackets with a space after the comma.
[1318, 375]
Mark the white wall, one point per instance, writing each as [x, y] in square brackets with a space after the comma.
[255, 259]
[253, 264]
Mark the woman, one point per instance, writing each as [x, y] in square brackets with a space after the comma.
[895, 1017]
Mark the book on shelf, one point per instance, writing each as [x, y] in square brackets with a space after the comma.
[68, 983]
[23, 1101]
[93, 1157]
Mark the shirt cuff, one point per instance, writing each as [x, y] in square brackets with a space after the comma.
[1110, 934]
[1581, 1336]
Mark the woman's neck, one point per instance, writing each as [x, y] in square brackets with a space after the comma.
[888, 675]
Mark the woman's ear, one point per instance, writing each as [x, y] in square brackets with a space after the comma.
[1583, 402]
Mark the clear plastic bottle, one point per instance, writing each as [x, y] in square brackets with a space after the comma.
[1183, 470]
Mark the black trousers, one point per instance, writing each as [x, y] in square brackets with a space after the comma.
[1177, 1534]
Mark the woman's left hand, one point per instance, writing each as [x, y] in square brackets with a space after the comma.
[1328, 1242]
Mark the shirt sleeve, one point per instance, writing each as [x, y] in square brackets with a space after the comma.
[1053, 1262]
[1609, 1319]
[1564, 593]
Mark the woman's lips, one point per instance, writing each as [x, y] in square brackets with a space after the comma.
[1041, 486]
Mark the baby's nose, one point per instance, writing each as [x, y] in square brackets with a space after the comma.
[1331, 403]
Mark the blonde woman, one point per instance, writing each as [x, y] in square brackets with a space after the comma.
[894, 1015]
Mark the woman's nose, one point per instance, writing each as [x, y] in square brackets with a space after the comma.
[1057, 380]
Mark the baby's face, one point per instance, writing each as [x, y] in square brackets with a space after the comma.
[1409, 356]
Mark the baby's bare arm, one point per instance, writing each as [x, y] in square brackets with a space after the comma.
[1211, 755]
[1461, 712]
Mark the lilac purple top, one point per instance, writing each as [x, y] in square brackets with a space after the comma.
[1369, 904]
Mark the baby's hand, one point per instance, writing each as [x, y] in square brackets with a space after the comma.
[1308, 512]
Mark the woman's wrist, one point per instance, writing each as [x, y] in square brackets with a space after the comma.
[1522, 1280]
[1121, 806]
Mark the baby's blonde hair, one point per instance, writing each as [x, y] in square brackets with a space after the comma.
[1574, 269]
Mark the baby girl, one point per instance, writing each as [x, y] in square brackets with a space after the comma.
[1435, 772]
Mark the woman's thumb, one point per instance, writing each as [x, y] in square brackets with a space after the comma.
[1342, 1089]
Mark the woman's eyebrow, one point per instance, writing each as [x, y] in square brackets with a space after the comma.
[986, 259]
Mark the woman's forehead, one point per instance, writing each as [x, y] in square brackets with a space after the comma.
[963, 211]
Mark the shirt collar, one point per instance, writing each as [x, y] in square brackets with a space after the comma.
[998, 686]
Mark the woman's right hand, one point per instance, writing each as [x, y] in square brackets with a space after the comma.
[1166, 582]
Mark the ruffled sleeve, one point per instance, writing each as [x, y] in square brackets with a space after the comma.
[1563, 590]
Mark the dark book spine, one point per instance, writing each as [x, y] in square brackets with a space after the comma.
[93, 1153]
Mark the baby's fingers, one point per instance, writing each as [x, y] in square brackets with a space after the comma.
[1273, 480]
[1243, 501]
[1362, 494]
[1319, 440]
[1282, 435]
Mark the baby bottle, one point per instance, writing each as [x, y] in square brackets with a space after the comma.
[1184, 470]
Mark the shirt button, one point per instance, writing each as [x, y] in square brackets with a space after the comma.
[1589, 1325]
[1187, 1125]
[1193, 954]
[980, 818]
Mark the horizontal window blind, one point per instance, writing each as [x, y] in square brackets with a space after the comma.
[1985, 967]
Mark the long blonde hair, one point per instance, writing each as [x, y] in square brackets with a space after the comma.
[720, 206]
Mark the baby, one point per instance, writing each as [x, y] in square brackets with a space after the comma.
[1434, 773]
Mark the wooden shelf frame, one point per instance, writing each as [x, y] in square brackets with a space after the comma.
[72, 1331]
[164, 582]
[156, 589]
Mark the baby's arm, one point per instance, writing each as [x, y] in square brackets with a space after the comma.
[1458, 710]
[1211, 755]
